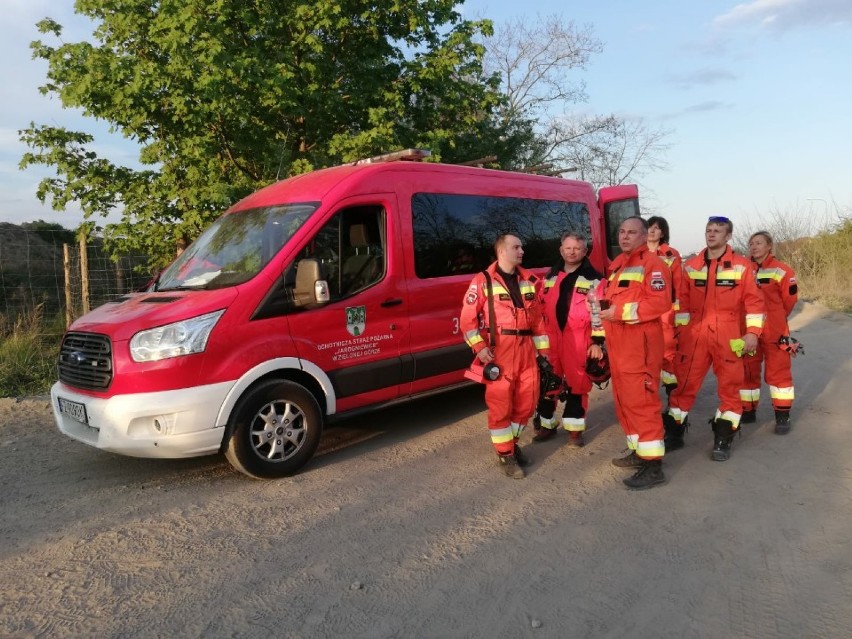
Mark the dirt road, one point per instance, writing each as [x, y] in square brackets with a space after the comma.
[403, 527]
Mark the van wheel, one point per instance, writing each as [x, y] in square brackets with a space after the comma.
[274, 430]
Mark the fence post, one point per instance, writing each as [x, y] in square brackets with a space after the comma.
[84, 273]
[66, 264]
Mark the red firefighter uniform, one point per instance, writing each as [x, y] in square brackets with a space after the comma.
[717, 295]
[569, 344]
[673, 260]
[780, 291]
[520, 337]
[640, 293]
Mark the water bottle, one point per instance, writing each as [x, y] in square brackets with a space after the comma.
[595, 306]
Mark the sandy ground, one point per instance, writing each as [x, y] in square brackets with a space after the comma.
[403, 527]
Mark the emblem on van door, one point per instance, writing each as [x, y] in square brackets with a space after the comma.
[356, 320]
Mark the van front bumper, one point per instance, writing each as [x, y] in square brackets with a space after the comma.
[167, 424]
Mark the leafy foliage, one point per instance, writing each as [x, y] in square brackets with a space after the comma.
[225, 96]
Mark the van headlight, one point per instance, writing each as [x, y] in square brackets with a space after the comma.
[173, 340]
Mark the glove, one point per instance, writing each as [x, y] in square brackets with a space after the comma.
[791, 345]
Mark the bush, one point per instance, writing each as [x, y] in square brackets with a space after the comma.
[29, 347]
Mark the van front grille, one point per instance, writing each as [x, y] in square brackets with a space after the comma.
[85, 361]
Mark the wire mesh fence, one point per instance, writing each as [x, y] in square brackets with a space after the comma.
[50, 270]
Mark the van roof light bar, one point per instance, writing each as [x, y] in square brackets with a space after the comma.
[409, 155]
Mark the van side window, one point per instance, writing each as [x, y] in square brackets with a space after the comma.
[455, 233]
[351, 248]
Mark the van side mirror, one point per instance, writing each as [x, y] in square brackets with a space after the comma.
[310, 287]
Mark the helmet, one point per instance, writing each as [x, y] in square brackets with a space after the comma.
[598, 369]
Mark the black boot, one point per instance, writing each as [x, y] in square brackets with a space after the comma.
[521, 458]
[749, 417]
[782, 422]
[631, 460]
[723, 436]
[674, 433]
[650, 474]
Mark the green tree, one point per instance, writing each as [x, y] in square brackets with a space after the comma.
[225, 96]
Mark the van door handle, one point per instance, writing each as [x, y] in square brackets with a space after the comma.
[394, 301]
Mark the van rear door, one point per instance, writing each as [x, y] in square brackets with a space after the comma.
[616, 204]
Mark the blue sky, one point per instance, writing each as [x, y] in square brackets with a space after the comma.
[757, 94]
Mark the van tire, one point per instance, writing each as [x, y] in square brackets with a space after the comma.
[274, 430]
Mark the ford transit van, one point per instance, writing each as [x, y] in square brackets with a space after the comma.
[316, 297]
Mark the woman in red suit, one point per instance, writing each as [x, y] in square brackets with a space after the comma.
[778, 284]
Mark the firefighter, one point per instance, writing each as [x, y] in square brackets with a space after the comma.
[719, 297]
[637, 296]
[572, 339]
[658, 243]
[519, 336]
[780, 291]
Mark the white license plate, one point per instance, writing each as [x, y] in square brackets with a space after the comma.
[74, 410]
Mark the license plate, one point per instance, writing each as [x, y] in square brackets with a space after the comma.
[74, 410]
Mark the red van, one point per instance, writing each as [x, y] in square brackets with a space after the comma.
[318, 296]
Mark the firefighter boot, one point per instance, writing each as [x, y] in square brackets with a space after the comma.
[723, 436]
[674, 433]
[749, 417]
[521, 458]
[782, 422]
[575, 438]
[650, 474]
[509, 465]
[631, 460]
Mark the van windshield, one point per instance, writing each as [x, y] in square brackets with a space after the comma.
[235, 248]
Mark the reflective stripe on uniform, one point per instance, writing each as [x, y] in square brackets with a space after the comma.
[582, 283]
[549, 282]
[668, 378]
[651, 449]
[473, 337]
[678, 414]
[526, 287]
[750, 395]
[695, 273]
[755, 320]
[681, 319]
[630, 312]
[497, 288]
[632, 440]
[731, 416]
[541, 342]
[782, 393]
[776, 274]
[574, 424]
[632, 273]
[502, 435]
[735, 272]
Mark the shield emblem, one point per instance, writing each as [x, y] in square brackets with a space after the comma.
[356, 320]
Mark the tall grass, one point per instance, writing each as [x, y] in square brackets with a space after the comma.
[29, 346]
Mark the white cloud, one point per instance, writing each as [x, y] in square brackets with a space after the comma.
[787, 14]
[701, 77]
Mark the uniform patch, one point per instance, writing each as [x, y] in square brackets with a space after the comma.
[471, 297]
[657, 283]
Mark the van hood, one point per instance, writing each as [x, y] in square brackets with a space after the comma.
[125, 316]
